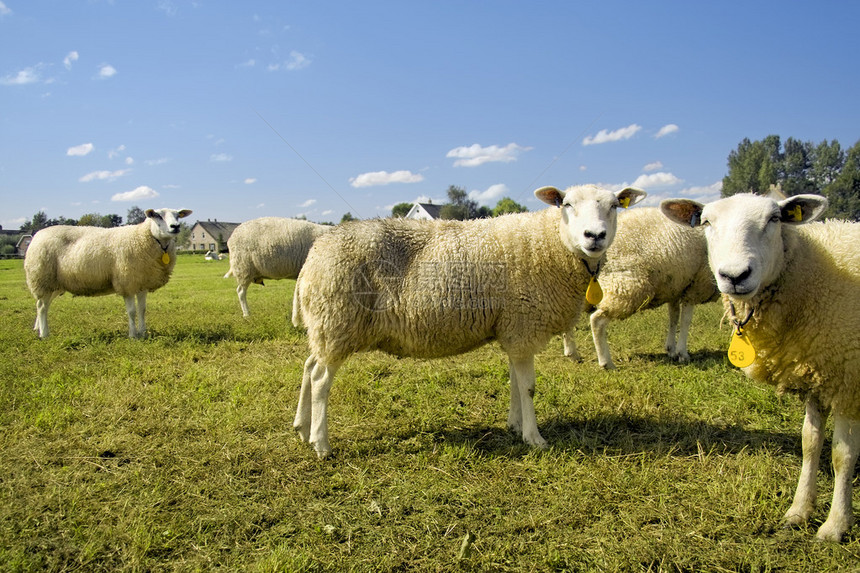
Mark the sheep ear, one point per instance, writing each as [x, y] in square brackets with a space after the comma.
[802, 209]
[151, 213]
[683, 211]
[550, 196]
[183, 213]
[629, 196]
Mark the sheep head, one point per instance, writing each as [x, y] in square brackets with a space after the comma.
[744, 235]
[164, 223]
[589, 215]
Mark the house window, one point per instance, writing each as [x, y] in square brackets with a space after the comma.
[202, 247]
[211, 246]
[203, 235]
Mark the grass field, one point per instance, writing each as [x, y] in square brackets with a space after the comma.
[176, 453]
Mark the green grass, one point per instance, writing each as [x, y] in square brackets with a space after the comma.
[176, 453]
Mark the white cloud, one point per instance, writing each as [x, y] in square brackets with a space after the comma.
[327, 212]
[474, 155]
[666, 130]
[159, 161]
[704, 194]
[22, 78]
[114, 152]
[583, 168]
[248, 64]
[71, 57]
[308, 203]
[106, 71]
[103, 175]
[659, 179]
[220, 157]
[129, 160]
[604, 136]
[653, 166]
[250, 180]
[493, 192]
[384, 178]
[142, 192]
[4, 11]
[297, 61]
[80, 150]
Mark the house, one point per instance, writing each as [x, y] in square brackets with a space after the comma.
[210, 235]
[424, 211]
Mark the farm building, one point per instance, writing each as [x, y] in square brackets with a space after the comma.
[210, 235]
[424, 211]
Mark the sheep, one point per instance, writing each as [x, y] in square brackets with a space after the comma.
[269, 248]
[90, 261]
[652, 262]
[791, 290]
[430, 289]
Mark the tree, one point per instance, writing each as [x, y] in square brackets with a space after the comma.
[401, 209]
[752, 167]
[135, 215]
[39, 221]
[347, 217]
[507, 205]
[843, 194]
[460, 207]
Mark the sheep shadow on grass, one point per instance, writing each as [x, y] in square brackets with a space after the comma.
[621, 435]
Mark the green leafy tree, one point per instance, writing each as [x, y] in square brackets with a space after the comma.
[135, 215]
[401, 209]
[843, 194]
[752, 167]
[39, 221]
[507, 205]
[827, 163]
[460, 207]
[347, 217]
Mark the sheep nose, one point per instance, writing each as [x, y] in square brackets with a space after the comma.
[736, 278]
[595, 236]
[174, 228]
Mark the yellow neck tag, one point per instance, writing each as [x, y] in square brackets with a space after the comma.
[593, 294]
[741, 351]
[165, 258]
[625, 203]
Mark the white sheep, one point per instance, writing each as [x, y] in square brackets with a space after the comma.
[429, 289]
[652, 262]
[269, 248]
[793, 293]
[89, 261]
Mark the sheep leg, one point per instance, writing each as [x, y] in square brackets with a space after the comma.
[515, 409]
[846, 446]
[672, 330]
[131, 310]
[141, 314]
[242, 290]
[302, 423]
[680, 354]
[321, 379]
[523, 372]
[599, 322]
[807, 489]
[570, 349]
[42, 305]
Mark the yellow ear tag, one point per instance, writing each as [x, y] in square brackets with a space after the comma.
[625, 203]
[593, 294]
[741, 351]
[796, 213]
[165, 258]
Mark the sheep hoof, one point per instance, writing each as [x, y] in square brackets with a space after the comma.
[795, 518]
[323, 452]
[830, 534]
[574, 357]
[608, 366]
[303, 432]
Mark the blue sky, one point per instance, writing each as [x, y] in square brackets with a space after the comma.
[243, 109]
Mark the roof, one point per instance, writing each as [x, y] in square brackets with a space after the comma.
[218, 228]
[431, 209]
